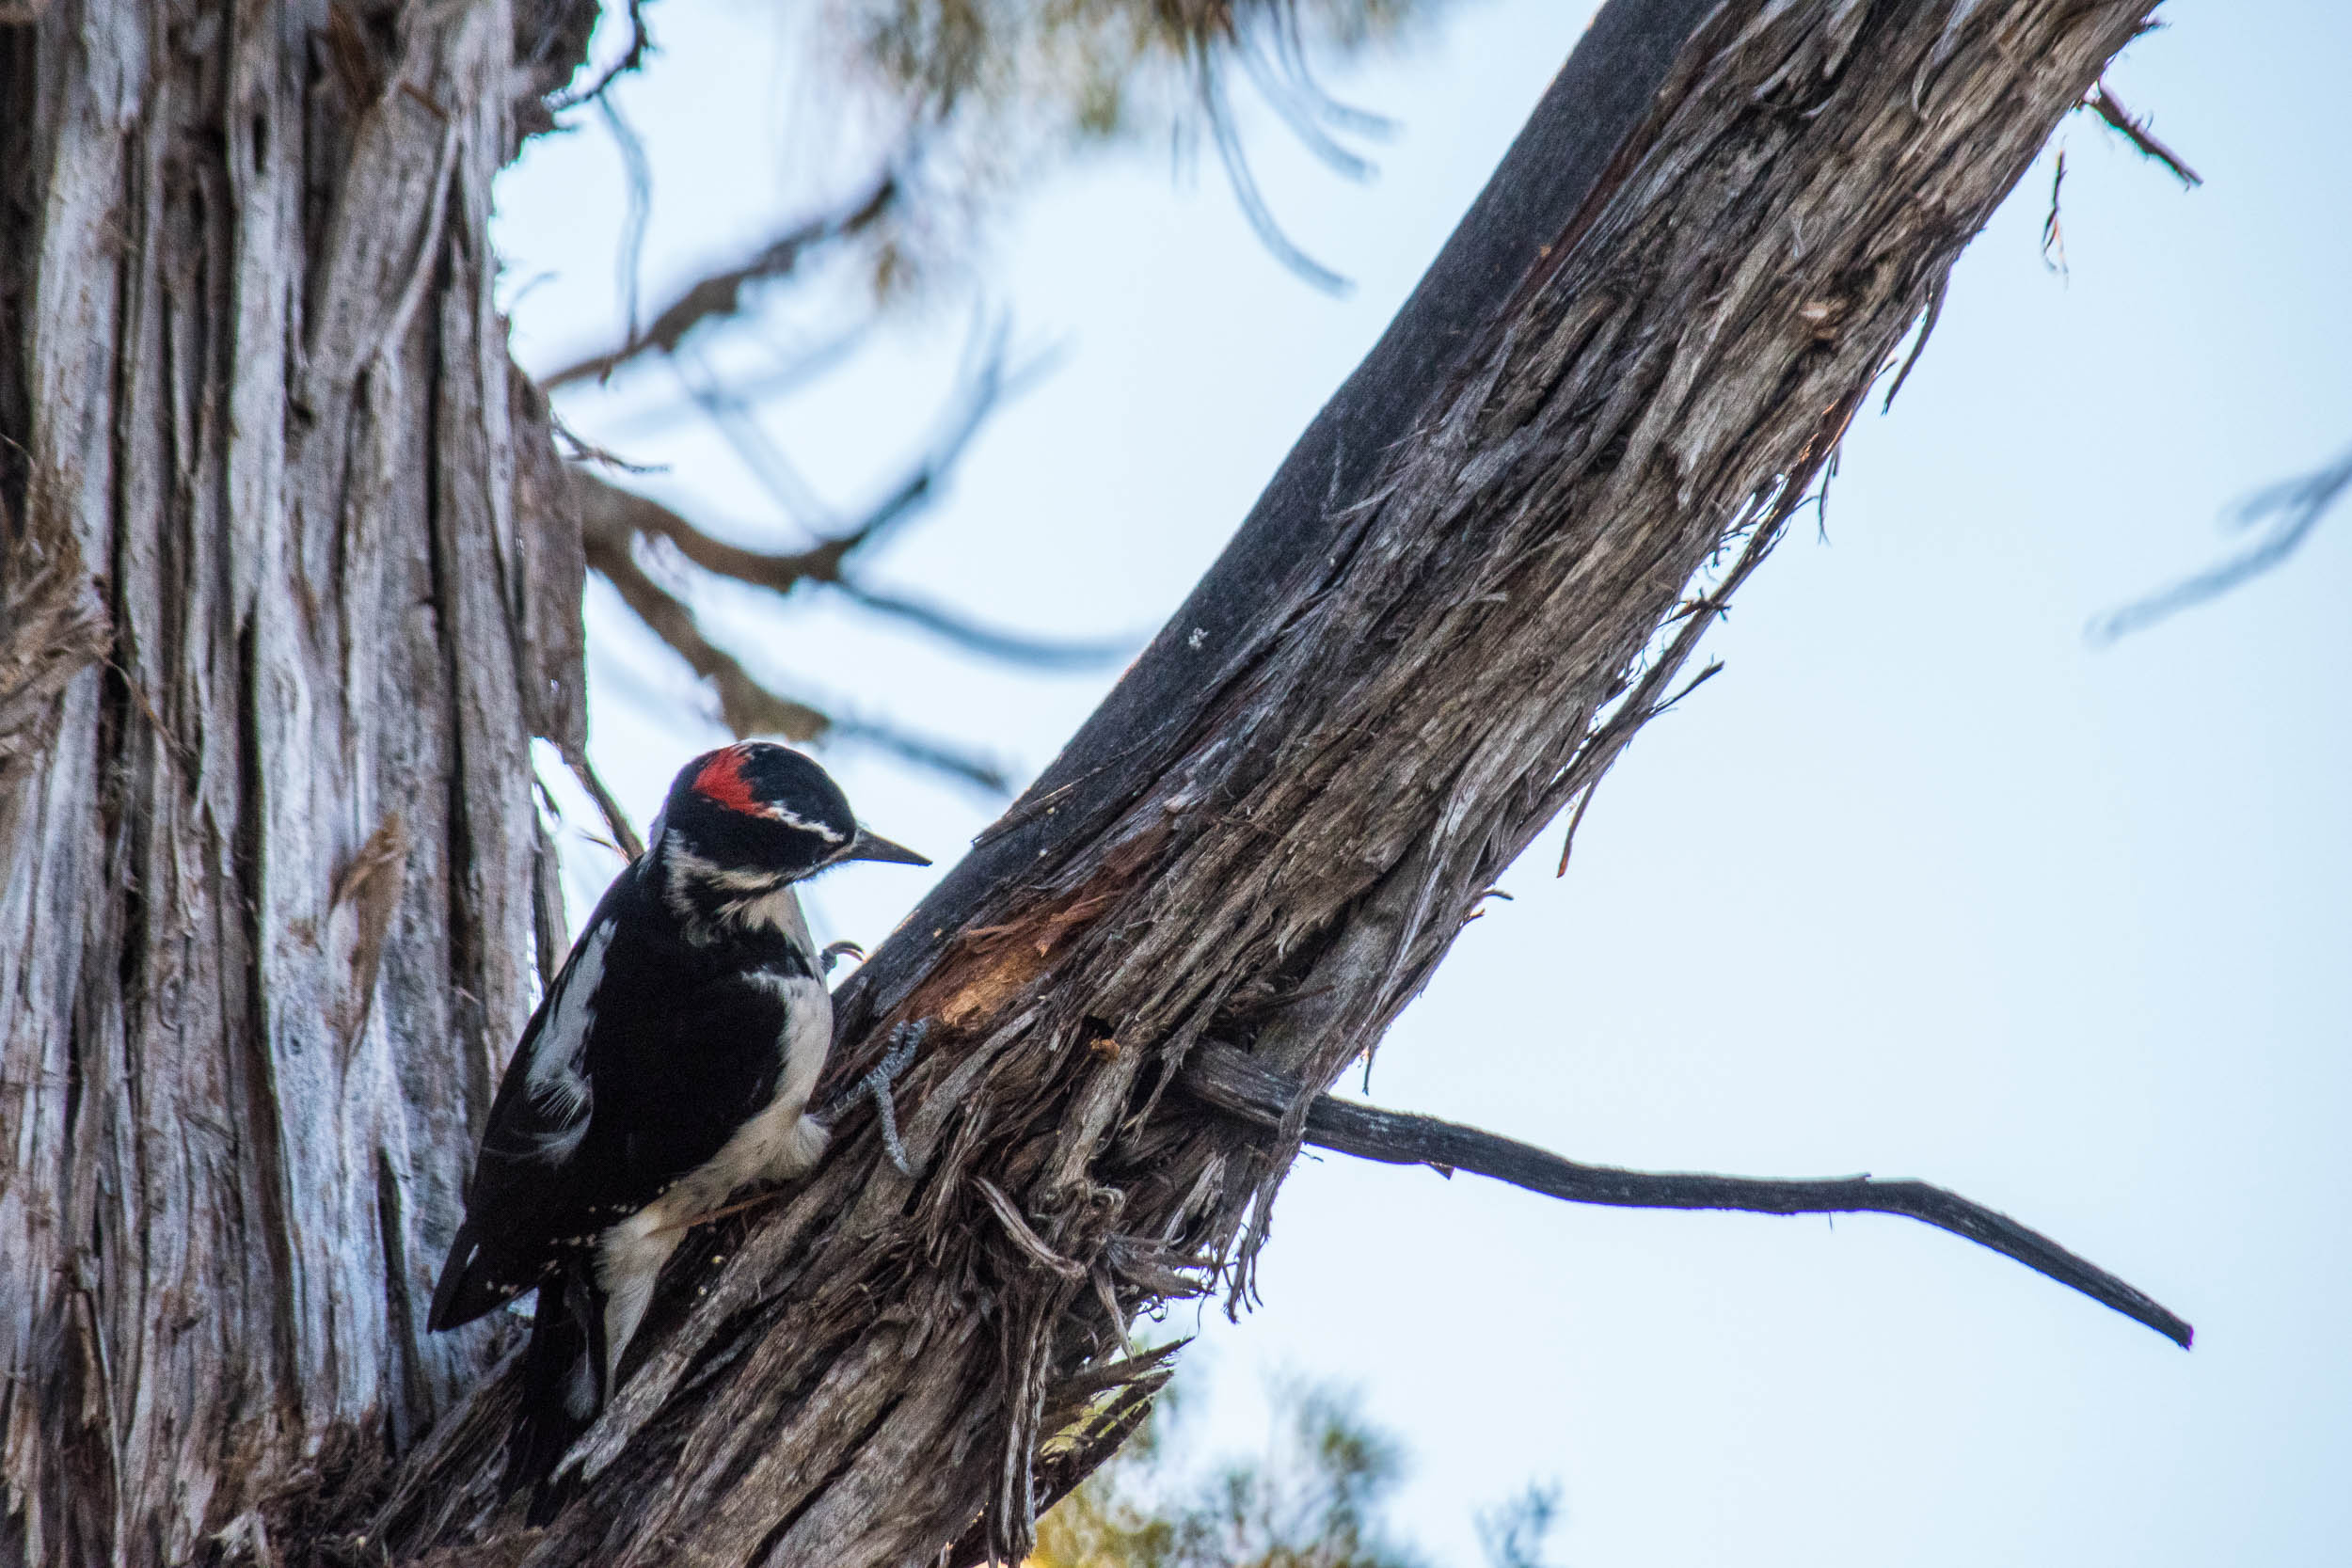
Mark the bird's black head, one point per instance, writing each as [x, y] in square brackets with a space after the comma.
[759, 811]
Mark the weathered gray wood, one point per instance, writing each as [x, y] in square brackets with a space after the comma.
[1465, 591]
[284, 607]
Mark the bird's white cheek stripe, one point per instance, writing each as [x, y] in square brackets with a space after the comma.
[764, 898]
[684, 867]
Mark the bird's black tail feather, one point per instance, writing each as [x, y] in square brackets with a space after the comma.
[549, 1423]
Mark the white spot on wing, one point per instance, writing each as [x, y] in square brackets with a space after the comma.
[557, 1080]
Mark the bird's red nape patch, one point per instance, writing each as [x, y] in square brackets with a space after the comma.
[722, 779]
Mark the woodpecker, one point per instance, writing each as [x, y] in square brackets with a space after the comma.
[670, 1063]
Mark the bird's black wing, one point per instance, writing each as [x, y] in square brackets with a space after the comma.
[642, 1061]
[538, 1121]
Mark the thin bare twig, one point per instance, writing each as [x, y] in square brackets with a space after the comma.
[1012, 647]
[788, 377]
[745, 706]
[581, 450]
[629, 259]
[1227, 136]
[782, 573]
[720, 294]
[762, 457]
[1714, 667]
[1236, 1083]
[2053, 232]
[982, 772]
[1290, 50]
[615, 820]
[983, 391]
[1918, 340]
[2297, 505]
[2102, 103]
[1567, 840]
[613, 517]
[1298, 112]
[640, 42]
[983, 385]
[826, 561]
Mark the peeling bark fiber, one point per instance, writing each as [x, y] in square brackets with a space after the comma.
[284, 607]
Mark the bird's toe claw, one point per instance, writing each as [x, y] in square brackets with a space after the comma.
[905, 1040]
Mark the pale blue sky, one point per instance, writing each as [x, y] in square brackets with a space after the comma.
[1923, 884]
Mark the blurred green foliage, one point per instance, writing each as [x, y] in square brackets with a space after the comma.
[1078, 70]
[1316, 1498]
[987, 95]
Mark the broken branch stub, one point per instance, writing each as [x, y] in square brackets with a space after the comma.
[1642, 345]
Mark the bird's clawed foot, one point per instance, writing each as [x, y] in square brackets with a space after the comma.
[835, 951]
[905, 1040]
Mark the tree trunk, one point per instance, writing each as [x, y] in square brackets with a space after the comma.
[284, 607]
[1475, 578]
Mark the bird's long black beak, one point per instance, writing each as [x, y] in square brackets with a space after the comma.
[873, 846]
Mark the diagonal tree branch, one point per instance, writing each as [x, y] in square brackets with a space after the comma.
[1232, 1082]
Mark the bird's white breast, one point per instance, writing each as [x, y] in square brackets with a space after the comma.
[781, 1142]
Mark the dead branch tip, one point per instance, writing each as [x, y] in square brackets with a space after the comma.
[2104, 104]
